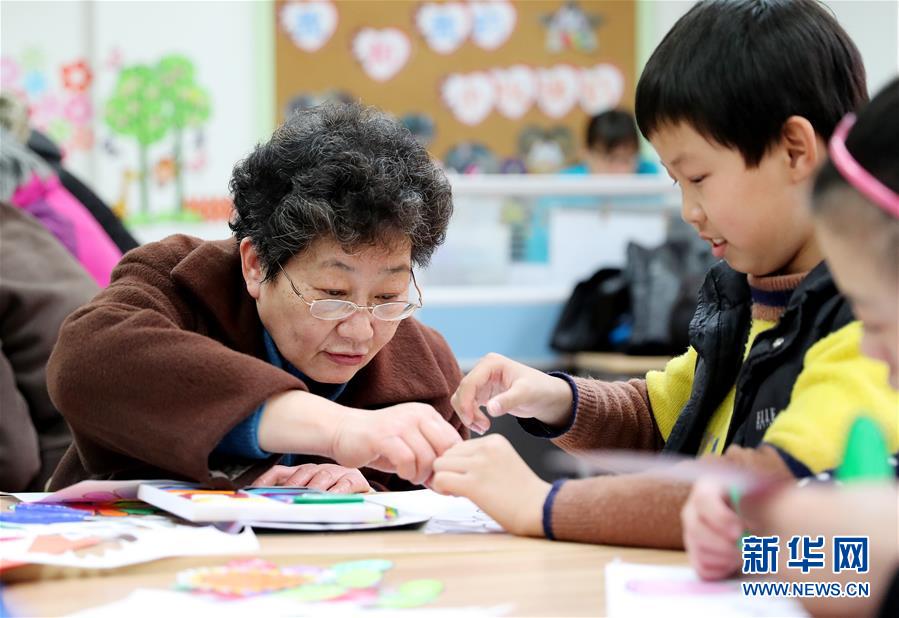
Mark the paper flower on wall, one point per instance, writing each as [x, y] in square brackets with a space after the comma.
[444, 26]
[601, 88]
[493, 23]
[516, 90]
[78, 109]
[9, 72]
[382, 53]
[558, 89]
[470, 97]
[77, 76]
[309, 24]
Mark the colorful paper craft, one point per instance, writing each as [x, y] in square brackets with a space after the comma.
[356, 583]
[255, 504]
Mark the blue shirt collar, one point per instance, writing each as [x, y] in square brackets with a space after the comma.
[328, 391]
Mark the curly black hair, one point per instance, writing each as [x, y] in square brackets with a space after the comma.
[341, 171]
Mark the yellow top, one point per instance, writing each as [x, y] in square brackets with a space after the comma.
[836, 384]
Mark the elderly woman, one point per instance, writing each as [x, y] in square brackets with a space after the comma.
[290, 343]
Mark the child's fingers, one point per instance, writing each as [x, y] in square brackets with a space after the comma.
[449, 483]
[452, 462]
[724, 523]
[465, 400]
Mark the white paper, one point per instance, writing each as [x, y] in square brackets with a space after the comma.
[123, 541]
[629, 592]
[449, 514]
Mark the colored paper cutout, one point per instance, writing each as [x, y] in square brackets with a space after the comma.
[470, 97]
[359, 578]
[373, 565]
[228, 581]
[669, 587]
[316, 592]
[444, 26]
[571, 28]
[34, 513]
[58, 544]
[493, 24]
[412, 594]
[77, 76]
[516, 90]
[78, 110]
[558, 89]
[382, 53]
[310, 25]
[35, 83]
[358, 582]
[10, 72]
[601, 88]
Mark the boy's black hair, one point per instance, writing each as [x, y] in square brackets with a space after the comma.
[610, 129]
[873, 141]
[736, 70]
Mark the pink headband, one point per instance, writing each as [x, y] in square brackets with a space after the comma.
[855, 174]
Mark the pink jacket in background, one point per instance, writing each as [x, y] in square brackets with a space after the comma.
[71, 223]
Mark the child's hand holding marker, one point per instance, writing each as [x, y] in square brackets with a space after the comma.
[712, 531]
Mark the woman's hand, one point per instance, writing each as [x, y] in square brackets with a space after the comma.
[326, 477]
[405, 438]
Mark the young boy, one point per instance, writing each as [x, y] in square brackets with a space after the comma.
[856, 207]
[738, 100]
[613, 146]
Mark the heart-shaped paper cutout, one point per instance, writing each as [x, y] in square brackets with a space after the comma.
[493, 23]
[557, 89]
[309, 24]
[470, 97]
[601, 88]
[516, 89]
[382, 53]
[444, 26]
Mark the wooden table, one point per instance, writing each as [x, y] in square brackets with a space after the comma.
[537, 577]
[609, 364]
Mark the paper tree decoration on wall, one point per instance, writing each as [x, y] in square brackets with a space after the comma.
[148, 103]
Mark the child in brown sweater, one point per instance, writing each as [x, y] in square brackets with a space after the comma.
[773, 363]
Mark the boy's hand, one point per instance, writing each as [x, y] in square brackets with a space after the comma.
[491, 474]
[405, 438]
[504, 386]
[326, 477]
[712, 531]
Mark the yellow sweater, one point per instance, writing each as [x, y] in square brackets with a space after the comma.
[836, 384]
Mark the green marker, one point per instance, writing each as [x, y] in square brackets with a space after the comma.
[313, 498]
[866, 455]
[735, 495]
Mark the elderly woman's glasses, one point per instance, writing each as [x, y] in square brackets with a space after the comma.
[334, 309]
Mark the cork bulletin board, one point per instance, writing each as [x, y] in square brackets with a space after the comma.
[489, 86]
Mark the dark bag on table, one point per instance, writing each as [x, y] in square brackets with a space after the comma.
[591, 313]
